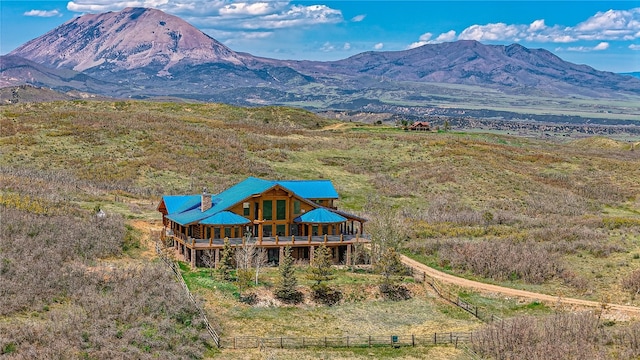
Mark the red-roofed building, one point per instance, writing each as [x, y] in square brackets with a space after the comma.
[420, 126]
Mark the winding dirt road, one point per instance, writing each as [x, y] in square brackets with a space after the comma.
[612, 309]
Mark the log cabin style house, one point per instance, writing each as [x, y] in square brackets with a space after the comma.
[273, 214]
[420, 126]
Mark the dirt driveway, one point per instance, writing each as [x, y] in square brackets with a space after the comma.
[620, 312]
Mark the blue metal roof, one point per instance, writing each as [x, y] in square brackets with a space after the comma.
[320, 216]
[180, 203]
[311, 189]
[225, 218]
[188, 217]
[185, 209]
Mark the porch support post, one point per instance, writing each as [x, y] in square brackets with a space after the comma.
[193, 258]
[311, 252]
[216, 257]
[281, 255]
[348, 254]
[261, 220]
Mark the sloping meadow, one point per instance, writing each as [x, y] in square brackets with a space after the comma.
[477, 204]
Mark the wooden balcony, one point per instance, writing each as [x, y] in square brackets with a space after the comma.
[269, 242]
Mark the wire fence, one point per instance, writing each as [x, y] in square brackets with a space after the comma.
[453, 298]
[176, 271]
[293, 342]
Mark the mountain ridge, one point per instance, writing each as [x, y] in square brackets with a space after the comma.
[140, 53]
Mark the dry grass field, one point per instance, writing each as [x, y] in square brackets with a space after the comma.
[561, 218]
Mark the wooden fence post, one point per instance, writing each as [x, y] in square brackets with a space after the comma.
[435, 338]
[413, 340]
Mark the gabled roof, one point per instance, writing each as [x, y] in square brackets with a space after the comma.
[180, 203]
[320, 216]
[185, 209]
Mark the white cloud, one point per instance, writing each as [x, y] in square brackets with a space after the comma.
[445, 37]
[491, 32]
[600, 47]
[611, 19]
[43, 13]
[358, 18]
[426, 38]
[225, 15]
[611, 25]
[537, 25]
[346, 46]
[634, 46]
[251, 9]
[378, 46]
[327, 47]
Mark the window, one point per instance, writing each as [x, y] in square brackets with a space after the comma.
[314, 230]
[246, 209]
[296, 207]
[266, 230]
[280, 230]
[227, 232]
[281, 209]
[267, 208]
[216, 233]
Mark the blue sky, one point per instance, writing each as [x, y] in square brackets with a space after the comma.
[602, 34]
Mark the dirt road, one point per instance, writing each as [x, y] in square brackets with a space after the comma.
[614, 310]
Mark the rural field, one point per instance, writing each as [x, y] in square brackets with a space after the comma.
[557, 217]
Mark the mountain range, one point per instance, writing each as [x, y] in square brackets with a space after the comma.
[146, 53]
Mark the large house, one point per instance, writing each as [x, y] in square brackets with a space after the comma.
[273, 214]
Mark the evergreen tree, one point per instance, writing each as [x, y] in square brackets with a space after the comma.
[287, 287]
[322, 272]
[392, 270]
[321, 269]
[226, 261]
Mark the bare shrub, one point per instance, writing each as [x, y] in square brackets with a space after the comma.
[36, 253]
[502, 260]
[561, 336]
[631, 283]
[50, 266]
[555, 201]
[447, 208]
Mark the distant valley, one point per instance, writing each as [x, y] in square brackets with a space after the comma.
[147, 54]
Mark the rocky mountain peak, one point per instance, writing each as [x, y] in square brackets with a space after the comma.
[129, 39]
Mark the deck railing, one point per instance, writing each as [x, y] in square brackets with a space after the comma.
[270, 241]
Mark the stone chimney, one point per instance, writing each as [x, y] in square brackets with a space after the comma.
[205, 203]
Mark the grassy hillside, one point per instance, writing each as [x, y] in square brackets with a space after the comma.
[560, 218]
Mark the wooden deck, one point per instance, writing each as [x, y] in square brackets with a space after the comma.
[270, 242]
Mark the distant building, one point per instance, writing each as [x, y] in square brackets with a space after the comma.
[298, 213]
[420, 126]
